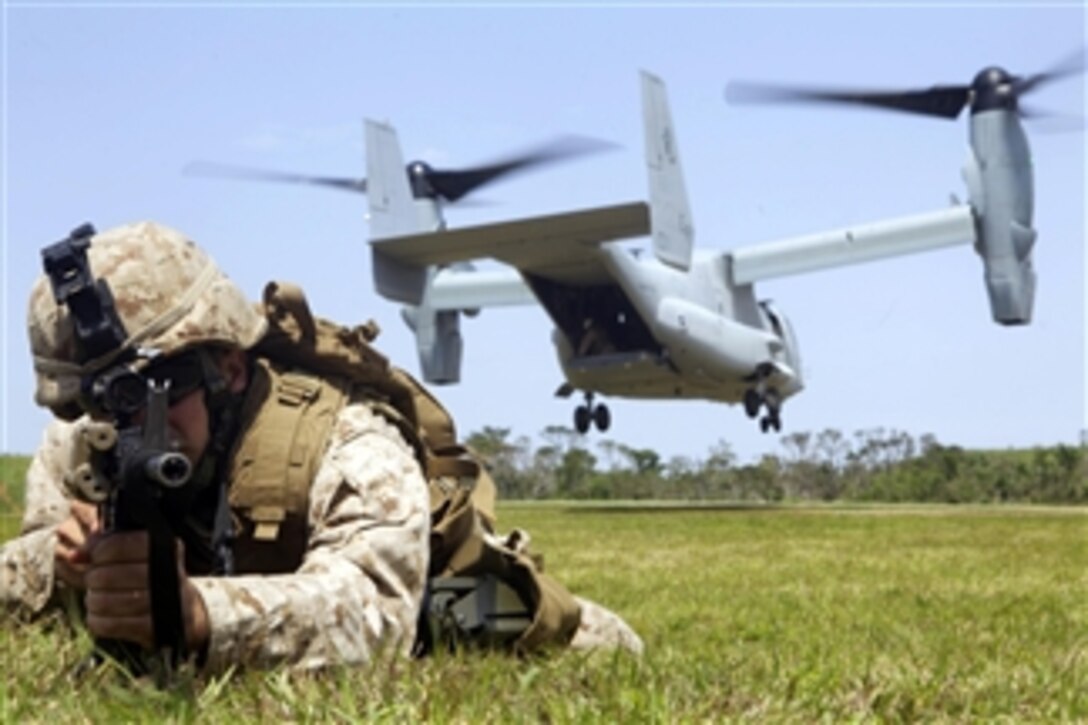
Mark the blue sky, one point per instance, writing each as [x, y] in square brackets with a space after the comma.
[105, 105]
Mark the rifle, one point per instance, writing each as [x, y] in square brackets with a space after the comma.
[131, 468]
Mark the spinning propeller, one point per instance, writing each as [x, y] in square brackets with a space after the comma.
[426, 181]
[998, 169]
[992, 88]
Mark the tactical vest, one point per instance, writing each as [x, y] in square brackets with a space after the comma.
[285, 423]
[306, 370]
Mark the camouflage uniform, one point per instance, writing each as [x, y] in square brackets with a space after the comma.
[604, 629]
[359, 586]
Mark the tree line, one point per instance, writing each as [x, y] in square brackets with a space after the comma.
[876, 465]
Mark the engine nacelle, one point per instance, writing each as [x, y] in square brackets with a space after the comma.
[999, 180]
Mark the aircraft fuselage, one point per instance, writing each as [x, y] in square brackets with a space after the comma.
[665, 333]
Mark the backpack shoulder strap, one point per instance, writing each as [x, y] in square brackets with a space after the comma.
[298, 339]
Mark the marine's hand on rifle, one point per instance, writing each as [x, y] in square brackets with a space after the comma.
[71, 555]
[118, 597]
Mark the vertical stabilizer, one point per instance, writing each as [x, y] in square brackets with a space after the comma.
[392, 213]
[673, 231]
[395, 212]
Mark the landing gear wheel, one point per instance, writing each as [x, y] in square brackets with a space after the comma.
[752, 401]
[770, 422]
[581, 418]
[602, 418]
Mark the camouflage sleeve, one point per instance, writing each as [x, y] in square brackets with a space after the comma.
[360, 585]
[602, 628]
[26, 562]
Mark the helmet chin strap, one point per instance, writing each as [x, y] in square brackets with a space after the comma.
[224, 411]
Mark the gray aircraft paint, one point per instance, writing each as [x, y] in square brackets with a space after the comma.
[712, 338]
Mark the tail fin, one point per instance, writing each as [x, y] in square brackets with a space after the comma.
[393, 213]
[673, 231]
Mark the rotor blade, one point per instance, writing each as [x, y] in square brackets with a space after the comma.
[454, 184]
[1046, 121]
[226, 171]
[1032, 112]
[1070, 65]
[941, 101]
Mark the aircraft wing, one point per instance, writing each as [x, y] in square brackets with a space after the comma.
[561, 247]
[862, 243]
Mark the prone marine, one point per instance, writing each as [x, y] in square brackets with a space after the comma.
[309, 500]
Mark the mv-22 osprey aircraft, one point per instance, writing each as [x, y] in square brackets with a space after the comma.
[684, 323]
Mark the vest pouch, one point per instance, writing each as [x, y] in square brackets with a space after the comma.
[286, 422]
[256, 555]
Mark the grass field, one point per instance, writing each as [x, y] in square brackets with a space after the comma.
[782, 614]
[12, 475]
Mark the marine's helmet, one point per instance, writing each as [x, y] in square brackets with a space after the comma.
[168, 295]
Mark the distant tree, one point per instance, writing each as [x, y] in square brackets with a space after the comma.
[721, 457]
[832, 448]
[683, 479]
[491, 442]
[761, 481]
[643, 460]
[876, 464]
[575, 473]
[504, 460]
[1059, 474]
[810, 468]
[562, 438]
[797, 445]
[542, 473]
[610, 450]
[925, 442]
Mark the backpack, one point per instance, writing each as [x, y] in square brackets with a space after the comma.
[482, 589]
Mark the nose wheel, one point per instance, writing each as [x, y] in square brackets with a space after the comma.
[589, 414]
